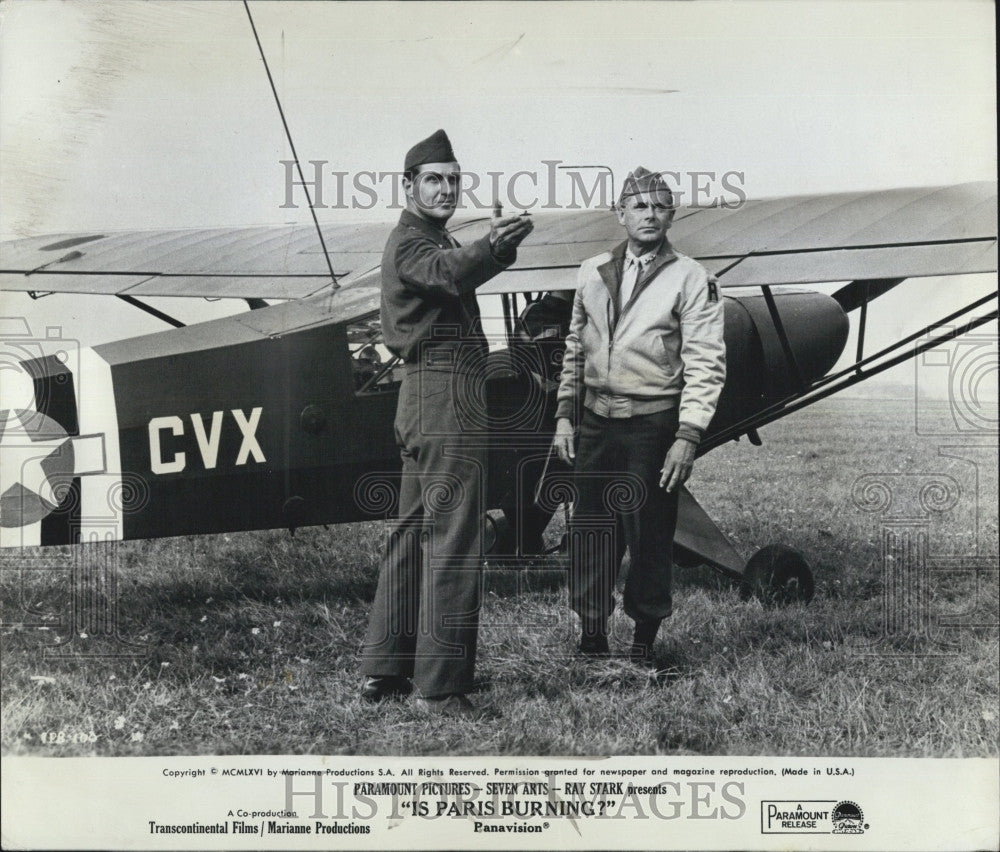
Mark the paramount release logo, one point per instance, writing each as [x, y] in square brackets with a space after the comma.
[811, 816]
[848, 818]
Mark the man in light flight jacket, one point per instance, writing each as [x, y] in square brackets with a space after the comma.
[645, 356]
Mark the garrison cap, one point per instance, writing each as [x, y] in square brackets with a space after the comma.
[436, 148]
[643, 180]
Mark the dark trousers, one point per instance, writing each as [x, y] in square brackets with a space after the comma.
[620, 502]
[425, 617]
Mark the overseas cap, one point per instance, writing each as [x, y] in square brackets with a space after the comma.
[643, 180]
[436, 148]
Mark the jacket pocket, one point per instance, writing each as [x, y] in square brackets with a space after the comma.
[664, 354]
[589, 338]
[433, 383]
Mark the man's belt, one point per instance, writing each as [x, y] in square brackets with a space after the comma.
[620, 406]
[464, 357]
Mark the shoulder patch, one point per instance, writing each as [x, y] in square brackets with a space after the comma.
[713, 290]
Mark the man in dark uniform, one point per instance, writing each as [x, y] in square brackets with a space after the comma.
[425, 617]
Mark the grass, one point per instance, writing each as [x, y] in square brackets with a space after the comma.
[247, 643]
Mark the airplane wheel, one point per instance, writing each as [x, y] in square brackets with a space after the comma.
[777, 575]
[495, 534]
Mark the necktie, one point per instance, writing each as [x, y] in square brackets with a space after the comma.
[629, 279]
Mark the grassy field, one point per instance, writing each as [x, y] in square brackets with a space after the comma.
[247, 644]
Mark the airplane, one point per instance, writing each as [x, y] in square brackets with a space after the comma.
[282, 415]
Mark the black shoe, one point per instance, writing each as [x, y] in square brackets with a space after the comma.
[594, 645]
[383, 687]
[455, 706]
[641, 654]
[642, 642]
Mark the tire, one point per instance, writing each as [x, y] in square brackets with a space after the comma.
[497, 535]
[776, 574]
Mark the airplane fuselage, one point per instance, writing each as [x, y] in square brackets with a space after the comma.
[264, 421]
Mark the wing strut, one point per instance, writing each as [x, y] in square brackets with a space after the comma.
[862, 324]
[786, 347]
[149, 309]
[288, 133]
[377, 377]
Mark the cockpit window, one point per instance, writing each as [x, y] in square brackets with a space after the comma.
[375, 368]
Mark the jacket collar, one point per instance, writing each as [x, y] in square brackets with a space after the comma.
[412, 220]
[611, 270]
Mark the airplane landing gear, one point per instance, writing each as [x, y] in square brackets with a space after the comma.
[496, 534]
[777, 575]
[500, 539]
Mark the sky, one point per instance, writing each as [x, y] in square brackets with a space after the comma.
[125, 115]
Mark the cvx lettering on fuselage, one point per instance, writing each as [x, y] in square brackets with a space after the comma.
[162, 459]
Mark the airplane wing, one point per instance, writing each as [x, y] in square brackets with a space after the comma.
[888, 234]
[277, 262]
[885, 234]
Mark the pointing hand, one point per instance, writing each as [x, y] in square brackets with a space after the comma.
[507, 232]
